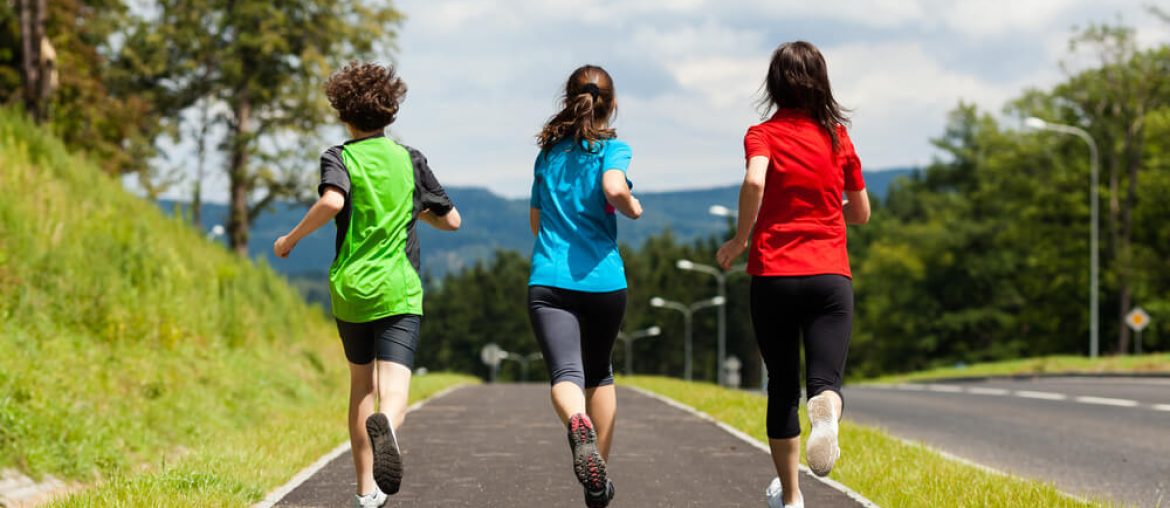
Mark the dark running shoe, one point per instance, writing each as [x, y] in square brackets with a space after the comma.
[587, 461]
[600, 499]
[387, 457]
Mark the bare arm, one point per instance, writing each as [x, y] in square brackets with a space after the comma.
[324, 210]
[449, 221]
[856, 207]
[534, 220]
[617, 193]
[751, 193]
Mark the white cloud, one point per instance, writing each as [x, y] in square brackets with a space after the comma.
[484, 75]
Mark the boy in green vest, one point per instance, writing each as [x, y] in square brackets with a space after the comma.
[376, 189]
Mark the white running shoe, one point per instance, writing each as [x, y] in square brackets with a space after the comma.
[377, 499]
[775, 495]
[822, 450]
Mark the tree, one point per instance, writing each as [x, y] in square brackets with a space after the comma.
[1114, 100]
[265, 62]
[87, 108]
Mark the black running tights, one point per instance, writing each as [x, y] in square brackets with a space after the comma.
[818, 308]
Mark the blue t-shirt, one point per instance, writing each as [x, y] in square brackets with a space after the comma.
[576, 247]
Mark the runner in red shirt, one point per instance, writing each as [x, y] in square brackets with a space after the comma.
[799, 162]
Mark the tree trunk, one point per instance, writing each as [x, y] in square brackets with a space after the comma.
[201, 159]
[238, 224]
[1134, 147]
[197, 205]
[32, 29]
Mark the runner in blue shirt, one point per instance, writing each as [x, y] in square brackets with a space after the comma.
[577, 288]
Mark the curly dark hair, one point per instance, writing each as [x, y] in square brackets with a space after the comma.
[366, 95]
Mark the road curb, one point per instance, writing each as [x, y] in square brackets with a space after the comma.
[833, 484]
[276, 495]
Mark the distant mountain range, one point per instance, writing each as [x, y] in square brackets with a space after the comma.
[492, 222]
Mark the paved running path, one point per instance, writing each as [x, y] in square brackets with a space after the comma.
[501, 445]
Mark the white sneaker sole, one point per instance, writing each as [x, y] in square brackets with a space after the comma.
[823, 450]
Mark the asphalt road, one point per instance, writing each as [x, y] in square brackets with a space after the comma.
[1098, 437]
[501, 445]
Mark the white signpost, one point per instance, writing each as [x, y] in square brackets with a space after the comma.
[1137, 320]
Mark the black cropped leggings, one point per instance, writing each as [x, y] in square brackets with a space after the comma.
[576, 331]
[818, 308]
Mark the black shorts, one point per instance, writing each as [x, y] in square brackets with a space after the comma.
[390, 339]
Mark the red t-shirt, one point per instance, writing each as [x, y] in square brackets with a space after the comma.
[800, 229]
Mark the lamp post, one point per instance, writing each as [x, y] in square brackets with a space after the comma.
[1094, 206]
[721, 279]
[723, 211]
[629, 339]
[688, 312]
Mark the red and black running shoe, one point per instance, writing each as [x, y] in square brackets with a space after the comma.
[387, 457]
[587, 461]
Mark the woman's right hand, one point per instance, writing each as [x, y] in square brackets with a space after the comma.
[729, 252]
[635, 207]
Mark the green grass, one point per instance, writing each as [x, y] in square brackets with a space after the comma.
[140, 357]
[888, 471]
[1147, 364]
[239, 468]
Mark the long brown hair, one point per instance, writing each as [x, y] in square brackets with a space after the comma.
[798, 79]
[586, 108]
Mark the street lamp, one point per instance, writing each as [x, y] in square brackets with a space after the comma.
[629, 339]
[721, 211]
[721, 278]
[688, 312]
[1094, 259]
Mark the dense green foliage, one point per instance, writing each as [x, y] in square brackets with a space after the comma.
[982, 256]
[985, 256]
[128, 339]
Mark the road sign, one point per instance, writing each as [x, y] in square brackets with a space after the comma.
[1137, 319]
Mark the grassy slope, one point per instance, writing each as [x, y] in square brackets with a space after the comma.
[1144, 364]
[886, 470]
[135, 353]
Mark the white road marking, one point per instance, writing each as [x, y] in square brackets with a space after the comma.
[978, 390]
[1107, 401]
[945, 388]
[1028, 394]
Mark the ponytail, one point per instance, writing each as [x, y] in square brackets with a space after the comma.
[586, 108]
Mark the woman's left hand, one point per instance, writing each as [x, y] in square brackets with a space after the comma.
[729, 252]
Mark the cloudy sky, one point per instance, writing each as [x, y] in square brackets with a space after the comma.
[485, 74]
